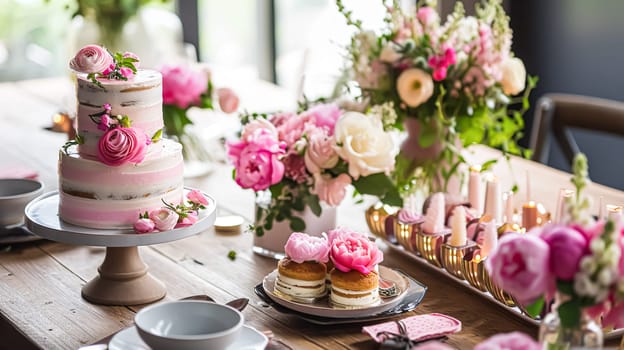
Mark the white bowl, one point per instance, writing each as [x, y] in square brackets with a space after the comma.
[14, 195]
[189, 325]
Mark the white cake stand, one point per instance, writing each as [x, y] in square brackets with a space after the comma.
[123, 278]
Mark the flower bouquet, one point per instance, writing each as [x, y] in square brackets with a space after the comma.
[579, 263]
[449, 84]
[298, 160]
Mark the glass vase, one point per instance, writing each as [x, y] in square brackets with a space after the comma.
[553, 336]
[271, 243]
[197, 158]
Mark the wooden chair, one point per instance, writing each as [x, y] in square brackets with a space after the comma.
[557, 114]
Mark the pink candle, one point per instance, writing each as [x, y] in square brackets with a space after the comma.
[458, 227]
[490, 239]
[509, 207]
[434, 218]
[493, 201]
[474, 190]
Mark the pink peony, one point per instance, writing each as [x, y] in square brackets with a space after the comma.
[197, 197]
[509, 341]
[340, 233]
[228, 100]
[120, 145]
[182, 86]
[567, 247]
[144, 225]
[520, 266]
[257, 162]
[258, 126]
[164, 219]
[190, 219]
[91, 59]
[302, 247]
[355, 253]
[331, 190]
[323, 116]
[320, 153]
[294, 168]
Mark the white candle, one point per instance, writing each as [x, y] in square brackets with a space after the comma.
[562, 216]
[509, 207]
[474, 190]
[493, 201]
[434, 218]
[459, 236]
[614, 212]
[490, 239]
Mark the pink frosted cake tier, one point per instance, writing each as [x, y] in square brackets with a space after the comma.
[95, 195]
[140, 98]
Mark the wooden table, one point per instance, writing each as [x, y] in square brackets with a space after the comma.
[40, 282]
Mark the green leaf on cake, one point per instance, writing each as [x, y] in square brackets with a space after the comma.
[157, 135]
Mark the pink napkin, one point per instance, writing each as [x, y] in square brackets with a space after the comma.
[18, 172]
[417, 328]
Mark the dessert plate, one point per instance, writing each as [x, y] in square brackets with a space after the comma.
[129, 339]
[321, 307]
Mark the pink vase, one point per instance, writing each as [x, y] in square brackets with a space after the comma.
[272, 243]
[411, 148]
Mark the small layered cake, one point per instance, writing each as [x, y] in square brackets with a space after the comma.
[301, 274]
[354, 280]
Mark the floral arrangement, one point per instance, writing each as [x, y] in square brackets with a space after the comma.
[456, 79]
[185, 87]
[294, 160]
[172, 216]
[581, 261]
[97, 62]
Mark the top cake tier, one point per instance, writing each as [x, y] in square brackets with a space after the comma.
[140, 98]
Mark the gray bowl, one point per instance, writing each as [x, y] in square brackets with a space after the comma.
[14, 195]
[189, 325]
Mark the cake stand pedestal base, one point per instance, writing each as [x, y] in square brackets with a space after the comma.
[123, 280]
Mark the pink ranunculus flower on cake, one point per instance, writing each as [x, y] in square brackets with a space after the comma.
[182, 86]
[196, 196]
[520, 266]
[302, 247]
[228, 100]
[121, 145]
[257, 162]
[331, 190]
[144, 225]
[567, 247]
[509, 341]
[91, 59]
[164, 219]
[355, 253]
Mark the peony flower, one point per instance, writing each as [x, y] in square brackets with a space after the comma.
[341, 233]
[91, 59]
[567, 247]
[520, 266]
[197, 197]
[257, 162]
[355, 253]
[144, 225]
[414, 87]
[164, 218]
[190, 219]
[509, 341]
[120, 145]
[258, 126]
[323, 116]
[320, 153]
[331, 190]
[364, 145]
[514, 76]
[302, 247]
[182, 86]
[228, 100]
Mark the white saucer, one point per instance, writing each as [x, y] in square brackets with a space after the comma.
[129, 339]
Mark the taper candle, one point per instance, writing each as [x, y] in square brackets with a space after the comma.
[561, 215]
[458, 227]
[529, 215]
[493, 200]
[509, 207]
[474, 190]
[490, 239]
[434, 218]
[614, 212]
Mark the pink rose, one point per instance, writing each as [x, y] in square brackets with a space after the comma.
[120, 145]
[164, 219]
[341, 233]
[520, 266]
[91, 59]
[302, 247]
[432, 345]
[320, 153]
[257, 162]
[228, 100]
[182, 86]
[197, 197]
[144, 225]
[104, 122]
[355, 253]
[323, 116]
[258, 126]
[509, 341]
[190, 219]
[331, 190]
[567, 247]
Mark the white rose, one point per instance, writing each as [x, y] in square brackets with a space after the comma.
[514, 76]
[389, 54]
[414, 86]
[364, 145]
